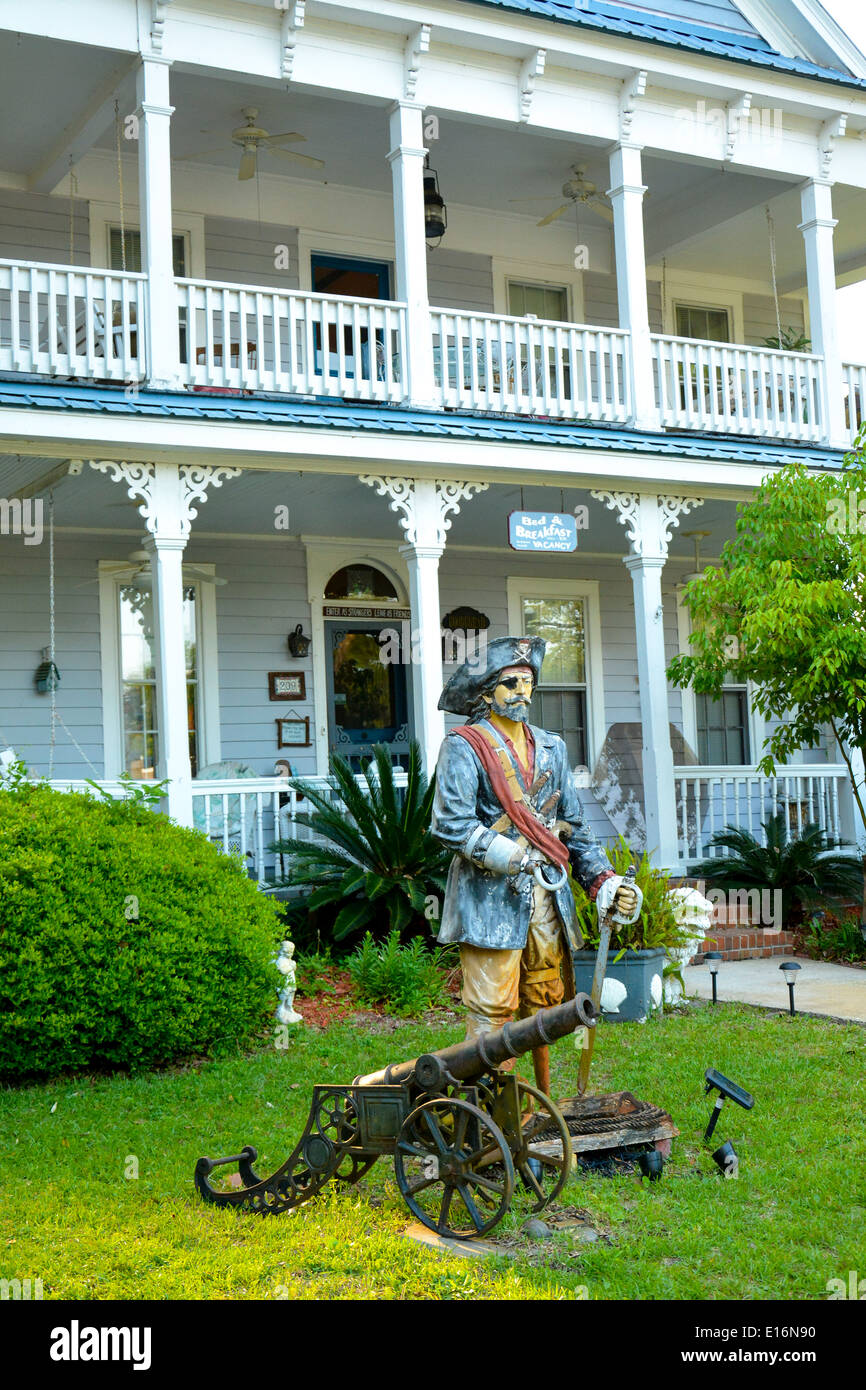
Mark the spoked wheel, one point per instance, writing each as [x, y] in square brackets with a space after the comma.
[352, 1168]
[542, 1150]
[453, 1168]
[337, 1119]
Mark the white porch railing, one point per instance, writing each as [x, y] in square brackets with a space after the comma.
[710, 798]
[252, 339]
[738, 390]
[854, 378]
[530, 366]
[58, 321]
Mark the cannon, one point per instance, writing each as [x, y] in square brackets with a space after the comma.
[461, 1131]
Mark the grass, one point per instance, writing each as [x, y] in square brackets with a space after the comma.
[97, 1174]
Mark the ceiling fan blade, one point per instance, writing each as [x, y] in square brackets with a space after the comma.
[301, 158]
[601, 208]
[291, 135]
[247, 169]
[552, 216]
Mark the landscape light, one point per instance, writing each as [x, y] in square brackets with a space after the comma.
[712, 958]
[725, 1157]
[789, 967]
[651, 1164]
[727, 1090]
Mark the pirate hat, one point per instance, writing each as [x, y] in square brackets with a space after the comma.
[469, 680]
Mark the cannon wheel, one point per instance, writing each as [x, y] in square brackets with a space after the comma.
[542, 1127]
[443, 1151]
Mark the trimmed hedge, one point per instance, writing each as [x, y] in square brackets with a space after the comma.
[125, 941]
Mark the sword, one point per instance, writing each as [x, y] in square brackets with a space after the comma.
[611, 917]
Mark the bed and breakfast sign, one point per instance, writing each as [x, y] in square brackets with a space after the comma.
[542, 531]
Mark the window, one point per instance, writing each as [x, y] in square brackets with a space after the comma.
[559, 703]
[723, 728]
[707, 324]
[132, 242]
[360, 582]
[544, 301]
[138, 695]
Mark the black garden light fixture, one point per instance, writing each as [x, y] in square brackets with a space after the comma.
[790, 967]
[651, 1164]
[712, 958]
[728, 1090]
[726, 1159]
[435, 211]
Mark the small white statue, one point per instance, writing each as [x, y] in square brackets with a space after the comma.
[695, 913]
[286, 966]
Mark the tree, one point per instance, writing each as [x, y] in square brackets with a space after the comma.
[786, 610]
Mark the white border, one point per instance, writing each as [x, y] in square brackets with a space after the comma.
[103, 216]
[588, 590]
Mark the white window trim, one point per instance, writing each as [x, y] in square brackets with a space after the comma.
[326, 555]
[534, 273]
[104, 216]
[588, 590]
[687, 693]
[111, 574]
[702, 294]
[358, 248]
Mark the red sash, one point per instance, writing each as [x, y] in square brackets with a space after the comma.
[513, 805]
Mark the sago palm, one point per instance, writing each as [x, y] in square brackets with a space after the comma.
[802, 867]
[375, 853]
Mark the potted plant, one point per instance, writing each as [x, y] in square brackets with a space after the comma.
[638, 962]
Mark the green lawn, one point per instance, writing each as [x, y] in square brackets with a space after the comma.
[74, 1215]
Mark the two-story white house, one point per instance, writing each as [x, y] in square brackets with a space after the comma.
[314, 314]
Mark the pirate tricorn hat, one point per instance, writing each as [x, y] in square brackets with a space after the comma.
[473, 677]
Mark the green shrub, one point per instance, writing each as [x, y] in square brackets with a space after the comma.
[657, 924]
[409, 979]
[827, 936]
[125, 941]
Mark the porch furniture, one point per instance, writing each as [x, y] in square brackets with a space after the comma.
[222, 817]
[234, 354]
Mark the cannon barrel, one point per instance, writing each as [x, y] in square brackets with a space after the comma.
[468, 1060]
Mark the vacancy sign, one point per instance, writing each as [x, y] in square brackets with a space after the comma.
[548, 531]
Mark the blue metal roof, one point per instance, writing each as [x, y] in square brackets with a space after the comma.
[675, 31]
[326, 414]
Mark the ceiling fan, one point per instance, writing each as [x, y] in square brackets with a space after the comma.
[251, 138]
[576, 189]
[138, 573]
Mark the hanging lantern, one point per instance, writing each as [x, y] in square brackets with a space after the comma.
[435, 211]
[47, 678]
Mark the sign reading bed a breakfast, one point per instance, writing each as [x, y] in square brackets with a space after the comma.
[548, 531]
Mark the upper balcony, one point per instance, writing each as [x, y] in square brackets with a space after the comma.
[575, 282]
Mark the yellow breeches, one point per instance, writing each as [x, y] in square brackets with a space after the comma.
[497, 984]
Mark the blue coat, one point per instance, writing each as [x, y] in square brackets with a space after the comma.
[481, 908]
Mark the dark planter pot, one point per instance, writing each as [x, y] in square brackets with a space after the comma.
[635, 972]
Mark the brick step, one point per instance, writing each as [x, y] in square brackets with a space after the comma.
[740, 943]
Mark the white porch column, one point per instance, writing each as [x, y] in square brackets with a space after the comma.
[648, 519]
[424, 505]
[406, 158]
[626, 195]
[154, 196]
[167, 493]
[816, 204]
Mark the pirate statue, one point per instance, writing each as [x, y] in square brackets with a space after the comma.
[507, 805]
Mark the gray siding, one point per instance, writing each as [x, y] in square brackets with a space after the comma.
[244, 253]
[34, 227]
[759, 316]
[460, 280]
[600, 306]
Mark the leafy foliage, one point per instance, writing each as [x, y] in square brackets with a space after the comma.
[792, 340]
[657, 924]
[827, 936]
[802, 867]
[409, 979]
[380, 860]
[125, 940]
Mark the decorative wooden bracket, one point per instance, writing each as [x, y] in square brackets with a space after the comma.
[831, 131]
[423, 504]
[530, 69]
[292, 21]
[737, 113]
[648, 518]
[167, 493]
[633, 88]
[417, 44]
[158, 14]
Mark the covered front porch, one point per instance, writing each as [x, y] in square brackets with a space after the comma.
[306, 611]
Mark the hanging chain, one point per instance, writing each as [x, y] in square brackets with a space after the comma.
[120, 186]
[772, 233]
[73, 189]
[52, 683]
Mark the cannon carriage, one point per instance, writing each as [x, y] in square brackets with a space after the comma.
[462, 1133]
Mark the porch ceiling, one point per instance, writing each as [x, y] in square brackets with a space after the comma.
[340, 507]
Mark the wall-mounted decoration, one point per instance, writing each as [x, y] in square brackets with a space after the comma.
[356, 610]
[287, 685]
[293, 731]
[542, 531]
[466, 620]
[299, 645]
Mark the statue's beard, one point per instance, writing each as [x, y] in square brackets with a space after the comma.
[515, 708]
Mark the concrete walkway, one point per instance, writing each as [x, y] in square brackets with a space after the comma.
[838, 991]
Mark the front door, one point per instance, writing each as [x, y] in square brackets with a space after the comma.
[367, 701]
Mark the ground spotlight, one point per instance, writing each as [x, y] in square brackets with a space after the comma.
[726, 1159]
[651, 1164]
[789, 967]
[712, 958]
